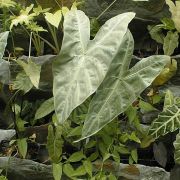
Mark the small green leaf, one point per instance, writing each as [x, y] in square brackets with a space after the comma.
[94, 156]
[133, 137]
[68, 170]
[88, 167]
[112, 177]
[169, 99]
[156, 33]
[32, 70]
[77, 156]
[75, 131]
[54, 19]
[171, 42]
[22, 146]
[7, 3]
[134, 155]
[80, 171]
[46, 108]
[20, 124]
[57, 171]
[22, 82]
[55, 143]
[146, 107]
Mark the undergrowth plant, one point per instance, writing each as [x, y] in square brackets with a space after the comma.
[96, 98]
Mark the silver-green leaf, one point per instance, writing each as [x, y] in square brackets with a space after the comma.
[83, 63]
[167, 121]
[121, 86]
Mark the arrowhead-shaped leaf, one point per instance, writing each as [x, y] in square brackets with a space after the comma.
[121, 86]
[83, 63]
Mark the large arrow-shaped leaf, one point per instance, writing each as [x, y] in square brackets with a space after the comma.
[83, 63]
[121, 86]
[4, 65]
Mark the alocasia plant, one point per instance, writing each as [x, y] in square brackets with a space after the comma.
[83, 63]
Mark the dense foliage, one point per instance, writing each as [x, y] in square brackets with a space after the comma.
[73, 86]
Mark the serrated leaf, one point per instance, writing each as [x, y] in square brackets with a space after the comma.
[54, 143]
[46, 108]
[83, 63]
[171, 42]
[177, 149]
[57, 171]
[167, 121]
[175, 12]
[32, 70]
[54, 19]
[121, 86]
[22, 146]
[77, 156]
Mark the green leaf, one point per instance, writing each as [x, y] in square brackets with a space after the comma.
[112, 177]
[177, 149]
[83, 63]
[175, 9]
[167, 121]
[146, 107]
[57, 171]
[121, 86]
[32, 70]
[156, 33]
[7, 3]
[88, 167]
[22, 146]
[4, 65]
[77, 156]
[54, 19]
[68, 170]
[134, 155]
[80, 171]
[168, 23]
[46, 108]
[20, 124]
[171, 42]
[23, 18]
[54, 143]
[22, 82]
[168, 100]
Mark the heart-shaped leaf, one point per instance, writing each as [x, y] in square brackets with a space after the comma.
[54, 19]
[121, 86]
[83, 63]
